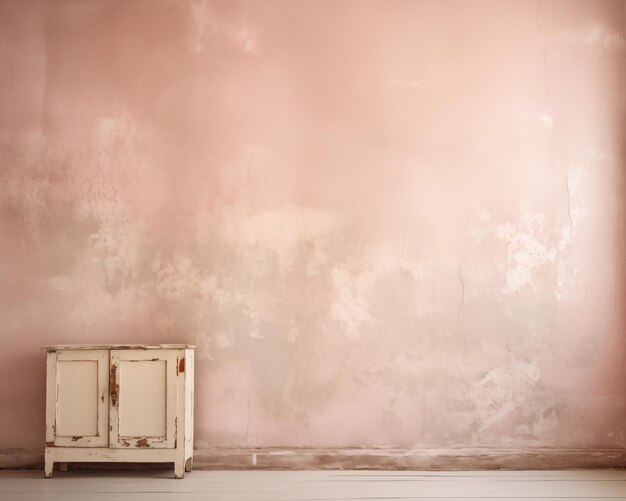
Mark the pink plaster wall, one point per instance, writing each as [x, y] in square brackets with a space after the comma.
[384, 223]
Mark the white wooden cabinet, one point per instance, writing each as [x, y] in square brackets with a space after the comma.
[129, 403]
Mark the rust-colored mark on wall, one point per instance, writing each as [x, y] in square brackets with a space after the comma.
[125, 443]
[50, 444]
[76, 438]
[143, 443]
[181, 366]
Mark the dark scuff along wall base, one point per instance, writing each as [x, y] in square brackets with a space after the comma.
[370, 459]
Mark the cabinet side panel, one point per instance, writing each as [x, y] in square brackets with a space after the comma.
[189, 398]
[51, 397]
[180, 426]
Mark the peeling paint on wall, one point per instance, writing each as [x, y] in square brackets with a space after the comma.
[593, 36]
[399, 214]
[526, 252]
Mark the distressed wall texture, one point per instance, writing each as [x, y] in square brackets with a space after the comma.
[384, 223]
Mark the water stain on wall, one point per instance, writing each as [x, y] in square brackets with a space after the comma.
[382, 223]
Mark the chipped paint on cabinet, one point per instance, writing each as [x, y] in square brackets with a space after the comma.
[145, 413]
[77, 399]
[107, 404]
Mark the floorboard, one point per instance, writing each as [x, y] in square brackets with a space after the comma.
[158, 485]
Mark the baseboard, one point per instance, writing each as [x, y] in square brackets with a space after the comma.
[375, 459]
[410, 459]
[21, 458]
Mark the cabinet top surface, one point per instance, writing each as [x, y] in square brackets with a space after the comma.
[56, 347]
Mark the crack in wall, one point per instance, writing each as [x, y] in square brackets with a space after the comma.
[402, 248]
[241, 366]
[624, 58]
[584, 305]
[462, 304]
[24, 231]
[543, 44]
[569, 202]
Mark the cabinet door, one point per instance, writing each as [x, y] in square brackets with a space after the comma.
[143, 398]
[77, 398]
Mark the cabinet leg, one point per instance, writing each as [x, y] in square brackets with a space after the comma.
[189, 464]
[179, 469]
[48, 467]
[63, 466]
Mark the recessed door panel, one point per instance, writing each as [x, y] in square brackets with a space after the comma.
[77, 398]
[143, 398]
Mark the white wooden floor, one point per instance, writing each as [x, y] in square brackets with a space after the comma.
[157, 485]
